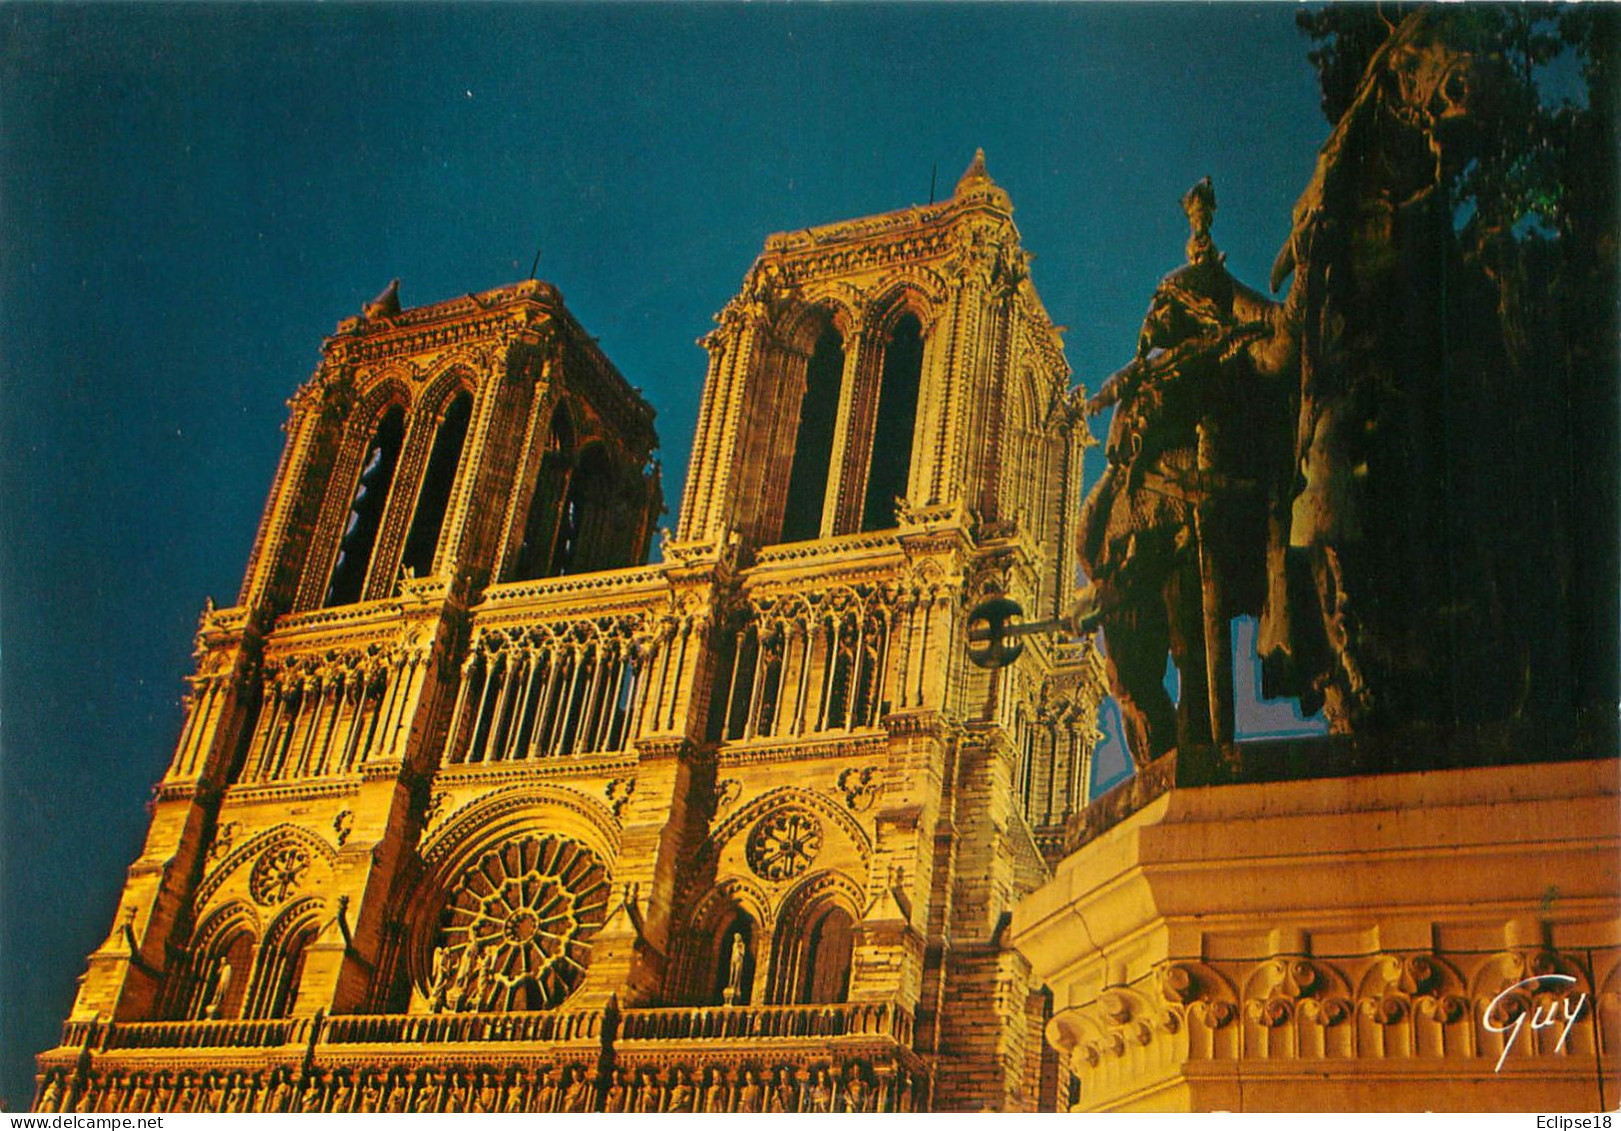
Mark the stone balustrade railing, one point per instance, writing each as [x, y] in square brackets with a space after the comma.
[788, 1022]
[462, 1028]
[883, 1020]
[630, 582]
[191, 1034]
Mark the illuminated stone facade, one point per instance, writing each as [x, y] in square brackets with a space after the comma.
[1442, 941]
[474, 811]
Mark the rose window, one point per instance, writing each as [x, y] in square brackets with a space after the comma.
[784, 844]
[518, 925]
[278, 874]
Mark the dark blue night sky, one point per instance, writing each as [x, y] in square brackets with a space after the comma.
[192, 196]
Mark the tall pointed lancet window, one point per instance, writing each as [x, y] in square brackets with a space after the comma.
[437, 481]
[813, 443]
[551, 483]
[581, 531]
[366, 511]
[897, 417]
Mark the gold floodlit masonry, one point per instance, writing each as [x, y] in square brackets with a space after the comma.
[474, 811]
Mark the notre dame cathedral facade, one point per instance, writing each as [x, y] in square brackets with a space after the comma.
[475, 811]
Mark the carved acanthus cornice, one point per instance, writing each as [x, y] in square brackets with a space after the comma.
[517, 305]
[379, 345]
[1383, 1006]
[504, 773]
[518, 332]
[665, 747]
[288, 792]
[849, 746]
[381, 769]
[921, 722]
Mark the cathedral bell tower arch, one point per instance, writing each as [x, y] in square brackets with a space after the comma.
[879, 347]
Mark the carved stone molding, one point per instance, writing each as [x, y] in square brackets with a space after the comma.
[784, 844]
[280, 873]
[861, 787]
[727, 791]
[1383, 1006]
[618, 792]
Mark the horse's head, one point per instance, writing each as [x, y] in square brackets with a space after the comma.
[1434, 78]
[1420, 107]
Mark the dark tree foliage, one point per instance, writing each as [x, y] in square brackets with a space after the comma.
[1536, 254]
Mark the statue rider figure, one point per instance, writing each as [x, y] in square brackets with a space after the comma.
[1172, 536]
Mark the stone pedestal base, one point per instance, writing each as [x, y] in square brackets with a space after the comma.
[1363, 943]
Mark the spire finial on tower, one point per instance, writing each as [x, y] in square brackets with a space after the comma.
[975, 175]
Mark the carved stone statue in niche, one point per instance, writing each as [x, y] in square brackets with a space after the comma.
[50, 1099]
[343, 1092]
[222, 986]
[458, 1096]
[236, 1096]
[371, 1094]
[440, 980]
[140, 1096]
[716, 1095]
[821, 1093]
[514, 1095]
[104, 1093]
[545, 1092]
[857, 1096]
[734, 972]
[784, 1096]
[750, 1095]
[428, 1094]
[186, 1093]
[618, 1091]
[487, 1097]
[467, 984]
[163, 1092]
[650, 1095]
[399, 1093]
[576, 1092]
[682, 1097]
[313, 1098]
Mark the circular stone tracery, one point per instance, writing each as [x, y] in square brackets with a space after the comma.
[278, 874]
[532, 905]
[784, 843]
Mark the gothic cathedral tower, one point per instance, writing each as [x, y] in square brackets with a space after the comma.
[474, 811]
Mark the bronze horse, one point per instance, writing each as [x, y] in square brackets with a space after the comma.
[1278, 459]
[1375, 520]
